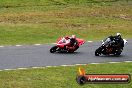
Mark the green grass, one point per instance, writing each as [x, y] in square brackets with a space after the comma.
[25, 34]
[61, 77]
[43, 21]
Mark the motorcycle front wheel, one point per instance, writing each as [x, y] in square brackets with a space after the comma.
[118, 52]
[98, 51]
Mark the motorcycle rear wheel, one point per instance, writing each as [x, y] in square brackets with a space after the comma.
[53, 49]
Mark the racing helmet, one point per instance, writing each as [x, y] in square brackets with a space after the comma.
[74, 36]
[118, 35]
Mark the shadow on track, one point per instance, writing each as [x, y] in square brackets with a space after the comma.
[111, 56]
[67, 53]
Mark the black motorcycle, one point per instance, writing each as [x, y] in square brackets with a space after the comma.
[109, 47]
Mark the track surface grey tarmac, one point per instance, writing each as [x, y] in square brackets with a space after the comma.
[12, 57]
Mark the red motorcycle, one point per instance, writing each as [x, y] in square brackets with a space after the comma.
[61, 46]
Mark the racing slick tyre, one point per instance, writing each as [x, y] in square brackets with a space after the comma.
[70, 51]
[53, 49]
[98, 51]
[81, 80]
[76, 47]
[117, 53]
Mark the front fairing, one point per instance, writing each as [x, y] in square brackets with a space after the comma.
[106, 42]
[80, 41]
[61, 44]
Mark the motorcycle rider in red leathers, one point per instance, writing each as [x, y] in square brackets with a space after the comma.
[70, 42]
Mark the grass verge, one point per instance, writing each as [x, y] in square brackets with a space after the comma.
[43, 21]
[61, 77]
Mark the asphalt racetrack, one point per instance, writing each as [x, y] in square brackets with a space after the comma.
[12, 57]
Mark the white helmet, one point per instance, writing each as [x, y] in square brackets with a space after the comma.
[74, 36]
[118, 34]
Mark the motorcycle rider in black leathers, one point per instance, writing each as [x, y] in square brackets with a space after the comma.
[117, 41]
